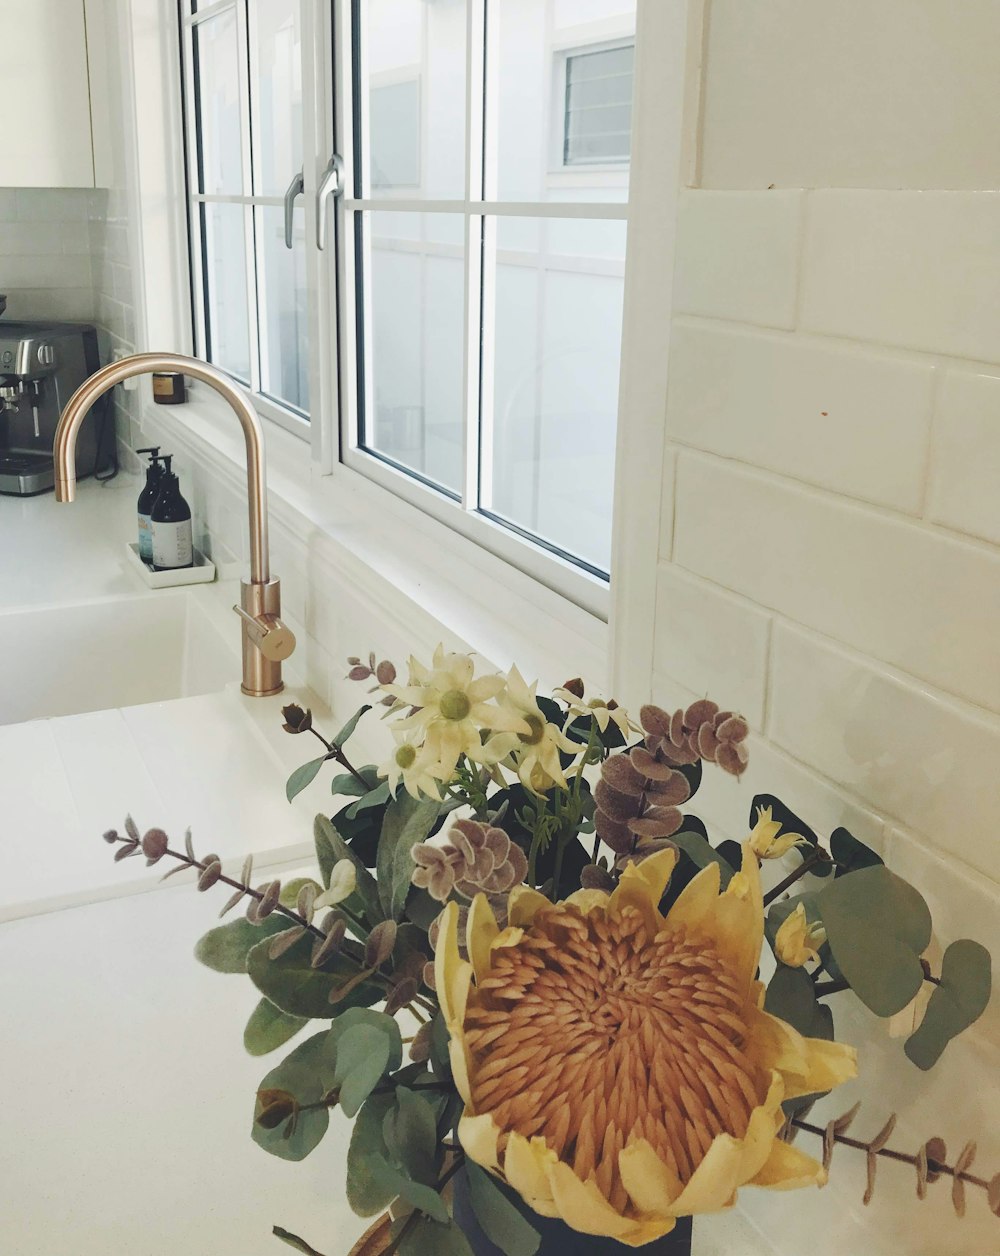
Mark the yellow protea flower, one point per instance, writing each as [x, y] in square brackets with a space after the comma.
[764, 839]
[797, 941]
[617, 1068]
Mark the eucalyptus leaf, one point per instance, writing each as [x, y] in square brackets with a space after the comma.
[226, 947]
[407, 822]
[346, 784]
[499, 1220]
[362, 1059]
[850, 854]
[791, 996]
[307, 1073]
[960, 998]
[422, 909]
[410, 1135]
[365, 1194]
[703, 853]
[345, 733]
[330, 849]
[269, 1028]
[377, 1020]
[291, 982]
[303, 776]
[440, 1058]
[290, 892]
[877, 926]
[428, 1201]
[427, 1237]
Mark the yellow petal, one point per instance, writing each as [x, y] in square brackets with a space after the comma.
[452, 975]
[652, 1185]
[508, 937]
[713, 1184]
[828, 1064]
[582, 1206]
[523, 905]
[762, 1127]
[479, 1136]
[696, 900]
[808, 1065]
[787, 1168]
[481, 931]
[642, 885]
[525, 1166]
[459, 1059]
[587, 901]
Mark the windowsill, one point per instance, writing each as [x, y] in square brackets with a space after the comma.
[403, 558]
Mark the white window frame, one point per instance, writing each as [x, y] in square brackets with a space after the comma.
[284, 415]
[479, 206]
[332, 434]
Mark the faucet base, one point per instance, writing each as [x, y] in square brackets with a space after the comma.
[261, 676]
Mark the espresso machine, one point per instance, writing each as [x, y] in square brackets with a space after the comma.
[41, 366]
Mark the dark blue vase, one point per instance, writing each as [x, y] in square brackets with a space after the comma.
[557, 1237]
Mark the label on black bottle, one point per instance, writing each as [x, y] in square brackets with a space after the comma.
[172, 544]
[145, 539]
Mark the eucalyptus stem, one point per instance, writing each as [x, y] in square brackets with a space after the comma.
[293, 1240]
[807, 865]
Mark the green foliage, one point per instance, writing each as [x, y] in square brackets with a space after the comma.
[366, 1195]
[426, 1237]
[269, 1028]
[307, 1073]
[348, 785]
[362, 1059]
[292, 984]
[791, 996]
[290, 891]
[330, 849]
[226, 947]
[702, 853]
[341, 738]
[377, 797]
[877, 926]
[409, 1131]
[303, 776]
[500, 1221]
[407, 822]
[959, 999]
[388, 1178]
[850, 854]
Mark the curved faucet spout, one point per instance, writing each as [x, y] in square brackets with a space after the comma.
[64, 444]
[266, 640]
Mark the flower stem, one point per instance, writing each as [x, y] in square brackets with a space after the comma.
[293, 1240]
[807, 865]
[337, 753]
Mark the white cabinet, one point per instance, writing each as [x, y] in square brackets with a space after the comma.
[46, 100]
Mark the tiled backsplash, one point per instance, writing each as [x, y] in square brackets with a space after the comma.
[45, 253]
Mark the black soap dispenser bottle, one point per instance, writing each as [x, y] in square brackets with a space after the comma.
[144, 506]
[171, 524]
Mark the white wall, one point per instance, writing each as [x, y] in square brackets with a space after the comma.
[829, 555]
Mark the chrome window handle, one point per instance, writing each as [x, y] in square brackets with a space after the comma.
[294, 189]
[331, 183]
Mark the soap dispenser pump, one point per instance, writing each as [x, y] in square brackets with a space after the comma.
[171, 524]
[149, 494]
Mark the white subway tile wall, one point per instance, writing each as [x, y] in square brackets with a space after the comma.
[830, 546]
[45, 262]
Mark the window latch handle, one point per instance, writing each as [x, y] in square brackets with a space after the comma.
[331, 184]
[294, 189]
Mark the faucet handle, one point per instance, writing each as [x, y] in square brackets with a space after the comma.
[271, 635]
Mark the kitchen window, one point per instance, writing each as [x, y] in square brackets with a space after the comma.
[458, 338]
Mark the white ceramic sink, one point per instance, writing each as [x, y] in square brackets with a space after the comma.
[116, 652]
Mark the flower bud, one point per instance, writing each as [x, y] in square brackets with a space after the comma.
[274, 1107]
[797, 941]
[296, 720]
[154, 845]
[765, 841]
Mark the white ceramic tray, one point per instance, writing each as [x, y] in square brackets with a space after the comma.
[203, 571]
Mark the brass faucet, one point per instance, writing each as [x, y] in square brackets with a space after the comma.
[266, 639]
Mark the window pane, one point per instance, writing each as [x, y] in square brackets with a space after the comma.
[282, 316]
[217, 105]
[598, 120]
[225, 276]
[550, 468]
[413, 75]
[414, 336]
[545, 74]
[276, 93]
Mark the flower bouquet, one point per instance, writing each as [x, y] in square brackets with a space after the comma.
[544, 996]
